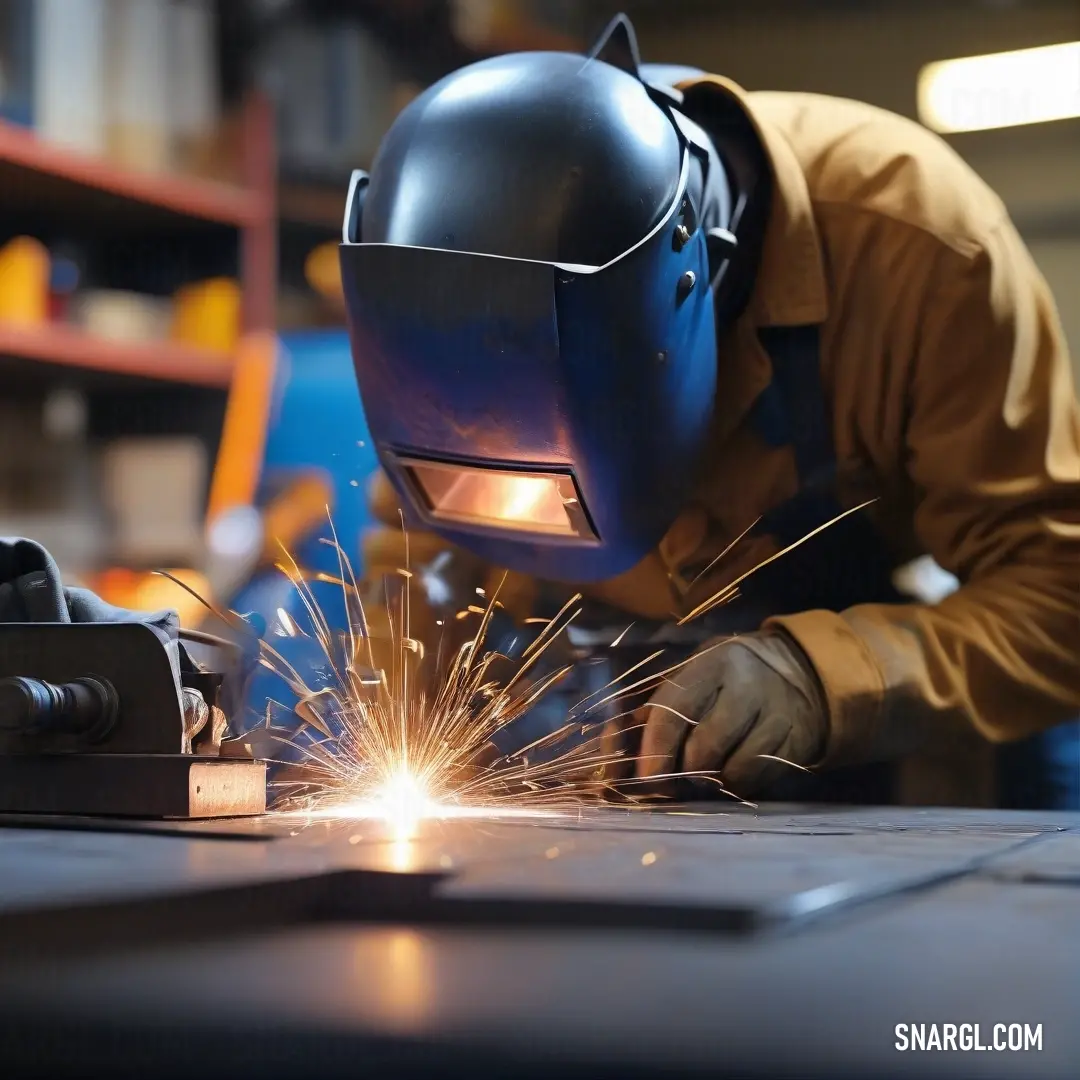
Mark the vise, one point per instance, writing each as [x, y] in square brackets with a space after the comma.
[96, 719]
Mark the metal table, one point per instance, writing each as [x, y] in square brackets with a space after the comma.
[782, 941]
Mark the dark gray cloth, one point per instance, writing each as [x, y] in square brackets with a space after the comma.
[31, 591]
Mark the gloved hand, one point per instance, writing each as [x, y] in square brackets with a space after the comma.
[734, 700]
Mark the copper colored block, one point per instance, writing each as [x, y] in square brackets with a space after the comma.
[132, 785]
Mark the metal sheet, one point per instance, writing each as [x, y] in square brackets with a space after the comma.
[734, 882]
[584, 869]
[323, 1001]
[523, 948]
[63, 871]
[1056, 861]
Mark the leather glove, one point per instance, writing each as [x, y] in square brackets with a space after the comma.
[734, 700]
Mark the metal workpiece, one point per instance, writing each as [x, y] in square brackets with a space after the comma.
[693, 942]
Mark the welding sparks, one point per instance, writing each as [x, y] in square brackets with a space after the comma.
[380, 740]
[385, 738]
[288, 627]
[393, 748]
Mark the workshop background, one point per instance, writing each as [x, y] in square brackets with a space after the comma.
[176, 386]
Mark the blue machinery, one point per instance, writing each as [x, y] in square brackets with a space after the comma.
[318, 424]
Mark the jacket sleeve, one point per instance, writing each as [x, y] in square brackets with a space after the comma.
[993, 453]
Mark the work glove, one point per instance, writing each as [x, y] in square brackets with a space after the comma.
[734, 708]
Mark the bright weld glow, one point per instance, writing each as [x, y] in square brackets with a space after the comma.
[1008, 89]
[401, 854]
[374, 810]
[403, 800]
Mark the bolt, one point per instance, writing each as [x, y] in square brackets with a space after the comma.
[686, 284]
[681, 238]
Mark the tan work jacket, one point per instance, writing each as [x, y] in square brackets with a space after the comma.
[952, 404]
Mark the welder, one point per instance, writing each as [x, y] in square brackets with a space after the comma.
[630, 330]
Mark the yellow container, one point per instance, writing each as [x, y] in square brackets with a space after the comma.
[322, 268]
[207, 314]
[24, 282]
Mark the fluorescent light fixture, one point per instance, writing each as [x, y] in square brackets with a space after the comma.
[546, 503]
[977, 93]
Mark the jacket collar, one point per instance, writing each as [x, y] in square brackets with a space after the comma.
[790, 288]
[790, 291]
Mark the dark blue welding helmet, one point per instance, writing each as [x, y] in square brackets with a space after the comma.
[532, 273]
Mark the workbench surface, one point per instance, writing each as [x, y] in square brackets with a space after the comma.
[703, 942]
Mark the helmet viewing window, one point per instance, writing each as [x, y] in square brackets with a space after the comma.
[538, 502]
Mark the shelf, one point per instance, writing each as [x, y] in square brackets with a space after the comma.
[70, 347]
[207, 200]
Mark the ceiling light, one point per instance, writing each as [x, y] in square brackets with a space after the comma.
[1026, 86]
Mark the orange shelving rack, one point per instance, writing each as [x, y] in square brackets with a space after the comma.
[249, 205]
[47, 178]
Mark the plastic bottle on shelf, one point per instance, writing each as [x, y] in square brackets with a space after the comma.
[138, 111]
[69, 73]
[24, 282]
[206, 314]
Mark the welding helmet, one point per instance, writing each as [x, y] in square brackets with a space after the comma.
[531, 275]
